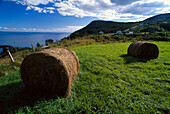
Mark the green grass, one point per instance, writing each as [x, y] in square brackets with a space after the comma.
[109, 81]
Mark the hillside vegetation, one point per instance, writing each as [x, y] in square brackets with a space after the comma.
[105, 26]
[108, 81]
[159, 23]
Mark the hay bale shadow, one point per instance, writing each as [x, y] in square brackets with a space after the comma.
[130, 59]
[14, 96]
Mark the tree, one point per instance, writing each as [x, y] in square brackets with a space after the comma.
[38, 44]
[49, 41]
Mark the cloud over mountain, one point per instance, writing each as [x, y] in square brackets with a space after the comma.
[102, 9]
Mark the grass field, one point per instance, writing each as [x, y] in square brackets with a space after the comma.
[109, 81]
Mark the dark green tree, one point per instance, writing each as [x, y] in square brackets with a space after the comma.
[49, 41]
[38, 44]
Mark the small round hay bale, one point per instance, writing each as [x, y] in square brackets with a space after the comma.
[143, 50]
[51, 71]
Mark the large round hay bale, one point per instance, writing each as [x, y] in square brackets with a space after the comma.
[51, 71]
[143, 50]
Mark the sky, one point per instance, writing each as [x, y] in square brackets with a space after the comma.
[71, 15]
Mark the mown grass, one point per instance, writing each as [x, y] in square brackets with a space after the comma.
[109, 81]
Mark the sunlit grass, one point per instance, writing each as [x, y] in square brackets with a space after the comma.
[108, 81]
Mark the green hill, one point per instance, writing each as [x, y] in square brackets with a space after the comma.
[157, 23]
[106, 26]
[159, 18]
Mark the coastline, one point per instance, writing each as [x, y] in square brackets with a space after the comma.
[25, 39]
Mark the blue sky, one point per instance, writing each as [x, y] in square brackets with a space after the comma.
[71, 15]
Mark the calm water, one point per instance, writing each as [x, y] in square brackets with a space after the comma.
[25, 39]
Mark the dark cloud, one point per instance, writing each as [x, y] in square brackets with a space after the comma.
[130, 17]
[143, 9]
[123, 2]
[101, 5]
[153, 4]
[90, 8]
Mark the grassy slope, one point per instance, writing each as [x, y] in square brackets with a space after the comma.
[108, 81]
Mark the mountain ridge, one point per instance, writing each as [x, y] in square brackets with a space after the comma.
[160, 17]
[94, 27]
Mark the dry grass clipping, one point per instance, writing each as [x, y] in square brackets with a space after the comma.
[143, 50]
[51, 71]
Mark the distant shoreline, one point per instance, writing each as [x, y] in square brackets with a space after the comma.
[25, 39]
[34, 32]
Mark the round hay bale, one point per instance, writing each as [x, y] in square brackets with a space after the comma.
[143, 50]
[51, 71]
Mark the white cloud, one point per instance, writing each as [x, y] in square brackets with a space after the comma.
[117, 9]
[34, 2]
[65, 29]
[44, 11]
[102, 9]
[28, 8]
[51, 11]
[50, 8]
[24, 29]
[37, 9]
